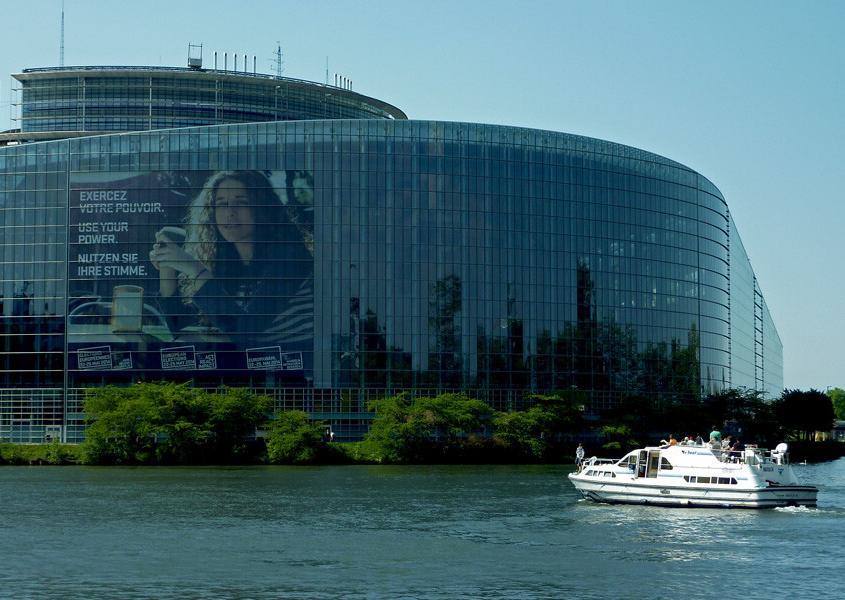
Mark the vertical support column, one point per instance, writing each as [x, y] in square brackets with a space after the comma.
[66, 292]
[83, 105]
[150, 114]
[216, 101]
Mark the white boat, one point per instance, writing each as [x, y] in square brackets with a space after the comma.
[695, 475]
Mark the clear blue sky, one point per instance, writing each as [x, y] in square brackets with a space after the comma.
[750, 94]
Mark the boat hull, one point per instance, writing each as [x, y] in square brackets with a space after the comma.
[663, 495]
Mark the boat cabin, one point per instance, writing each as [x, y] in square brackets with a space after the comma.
[648, 462]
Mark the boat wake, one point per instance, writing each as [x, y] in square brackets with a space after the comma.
[797, 509]
[827, 510]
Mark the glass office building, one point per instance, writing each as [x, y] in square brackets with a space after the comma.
[330, 261]
[70, 101]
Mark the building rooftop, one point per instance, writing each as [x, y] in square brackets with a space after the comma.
[72, 101]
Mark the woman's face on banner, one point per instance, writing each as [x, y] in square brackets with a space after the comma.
[233, 213]
[302, 192]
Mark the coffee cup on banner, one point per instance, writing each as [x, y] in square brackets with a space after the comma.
[171, 235]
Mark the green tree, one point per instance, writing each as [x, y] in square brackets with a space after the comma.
[619, 438]
[806, 412]
[539, 433]
[169, 423]
[180, 432]
[637, 415]
[423, 429]
[523, 432]
[837, 397]
[233, 416]
[121, 426]
[756, 418]
[391, 432]
[564, 411]
[294, 439]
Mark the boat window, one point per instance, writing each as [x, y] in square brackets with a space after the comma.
[700, 479]
[665, 464]
[629, 462]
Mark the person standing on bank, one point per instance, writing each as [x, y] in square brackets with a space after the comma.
[244, 268]
[579, 455]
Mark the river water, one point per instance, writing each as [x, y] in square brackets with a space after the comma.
[397, 532]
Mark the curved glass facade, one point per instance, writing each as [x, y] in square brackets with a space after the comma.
[328, 262]
[110, 99]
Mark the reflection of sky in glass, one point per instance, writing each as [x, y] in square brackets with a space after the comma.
[484, 257]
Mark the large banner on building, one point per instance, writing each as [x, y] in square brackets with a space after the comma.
[191, 272]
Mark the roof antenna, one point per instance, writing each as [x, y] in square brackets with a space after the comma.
[62, 38]
[278, 62]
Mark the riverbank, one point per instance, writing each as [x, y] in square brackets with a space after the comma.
[356, 453]
[325, 454]
[40, 454]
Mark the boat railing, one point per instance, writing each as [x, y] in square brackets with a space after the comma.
[752, 455]
[594, 460]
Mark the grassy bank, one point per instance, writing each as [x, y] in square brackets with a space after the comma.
[350, 453]
[40, 454]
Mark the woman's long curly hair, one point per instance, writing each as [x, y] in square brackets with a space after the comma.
[277, 239]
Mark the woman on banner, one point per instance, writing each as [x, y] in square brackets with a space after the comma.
[244, 266]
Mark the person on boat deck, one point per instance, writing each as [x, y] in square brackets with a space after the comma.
[672, 440]
[686, 441]
[715, 435]
[579, 455]
[699, 441]
[726, 443]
